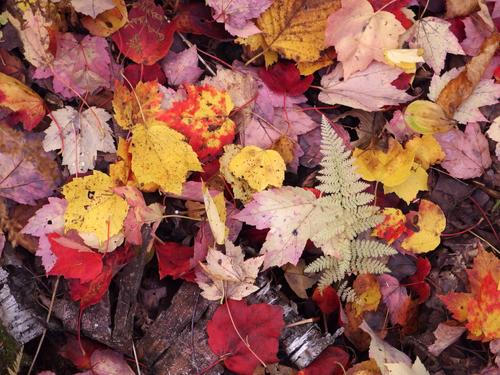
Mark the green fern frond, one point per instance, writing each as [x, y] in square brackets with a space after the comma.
[344, 191]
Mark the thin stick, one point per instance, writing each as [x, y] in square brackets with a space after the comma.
[136, 359]
[49, 313]
[301, 322]
[485, 241]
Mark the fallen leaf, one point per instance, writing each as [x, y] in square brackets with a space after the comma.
[494, 134]
[327, 299]
[109, 362]
[92, 7]
[426, 117]
[391, 168]
[408, 189]
[364, 368]
[332, 361]
[79, 135]
[94, 210]
[229, 275]
[445, 335]
[405, 59]
[196, 18]
[393, 226]
[73, 260]
[181, 68]
[38, 35]
[395, 298]
[203, 118]
[367, 293]
[434, 36]
[25, 104]
[259, 324]
[431, 222]
[147, 36]
[293, 28]
[427, 150]
[259, 168]
[462, 86]
[27, 172]
[174, 260]
[391, 361]
[361, 35]
[284, 78]
[237, 16]
[416, 282]
[467, 153]
[460, 8]
[47, 219]
[297, 281]
[107, 22]
[215, 208]
[369, 90]
[135, 73]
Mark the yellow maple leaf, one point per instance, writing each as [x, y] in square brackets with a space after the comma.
[391, 168]
[431, 222]
[259, 168]
[427, 150]
[293, 28]
[140, 106]
[94, 210]
[160, 156]
[241, 189]
[408, 190]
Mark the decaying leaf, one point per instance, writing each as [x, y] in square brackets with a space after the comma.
[296, 279]
[215, 208]
[426, 117]
[229, 275]
[95, 211]
[107, 22]
[293, 28]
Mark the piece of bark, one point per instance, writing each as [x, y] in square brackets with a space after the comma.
[129, 281]
[18, 312]
[190, 354]
[165, 331]
[96, 319]
[302, 343]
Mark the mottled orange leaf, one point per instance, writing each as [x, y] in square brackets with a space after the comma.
[367, 293]
[392, 227]
[203, 118]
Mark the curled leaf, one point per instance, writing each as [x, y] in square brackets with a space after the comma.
[426, 117]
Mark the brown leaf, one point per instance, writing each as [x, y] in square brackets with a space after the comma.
[460, 8]
[462, 86]
[296, 279]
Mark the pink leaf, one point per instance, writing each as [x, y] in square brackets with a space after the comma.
[467, 153]
[182, 67]
[109, 362]
[395, 297]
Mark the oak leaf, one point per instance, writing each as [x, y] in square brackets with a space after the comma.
[229, 275]
[26, 105]
[95, 211]
[293, 28]
[79, 135]
[361, 35]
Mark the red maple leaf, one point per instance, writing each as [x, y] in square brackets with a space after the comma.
[74, 260]
[147, 36]
[144, 73]
[332, 361]
[258, 327]
[284, 78]
[327, 299]
[417, 283]
[175, 260]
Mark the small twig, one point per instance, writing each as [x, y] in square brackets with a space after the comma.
[49, 313]
[303, 321]
[136, 359]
